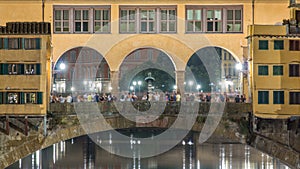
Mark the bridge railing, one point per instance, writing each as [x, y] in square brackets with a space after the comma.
[167, 107]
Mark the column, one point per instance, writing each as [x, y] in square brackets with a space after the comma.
[180, 77]
[114, 79]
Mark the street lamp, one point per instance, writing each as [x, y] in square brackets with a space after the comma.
[131, 88]
[198, 87]
[62, 66]
[174, 87]
[239, 66]
[134, 84]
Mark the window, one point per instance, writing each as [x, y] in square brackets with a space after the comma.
[214, 20]
[229, 70]
[294, 70]
[277, 70]
[147, 22]
[32, 43]
[102, 20]
[225, 55]
[263, 70]
[30, 69]
[15, 43]
[294, 97]
[148, 19]
[194, 20]
[294, 45]
[13, 69]
[61, 20]
[13, 98]
[263, 44]
[167, 20]
[278, 44]
[263, 97]
[30, 98]
[278, 97]
[81, 21]
[128, 21]
[76, 19]
[225, 70]
[234, 20]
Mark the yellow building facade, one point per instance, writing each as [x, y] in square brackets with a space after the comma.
[275, 60]
[179, 28]
[24, 68]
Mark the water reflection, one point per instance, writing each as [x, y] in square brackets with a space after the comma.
[83, 153]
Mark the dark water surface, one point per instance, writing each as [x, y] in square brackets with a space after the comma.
[83, 153]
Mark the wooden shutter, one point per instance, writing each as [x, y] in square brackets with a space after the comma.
[39, 98]
[38, 69]
[38, 43]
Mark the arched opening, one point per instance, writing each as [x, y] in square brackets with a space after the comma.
[146, 70]
[81, 70]
[212, 70]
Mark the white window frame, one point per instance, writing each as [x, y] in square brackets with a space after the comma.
[62, 20]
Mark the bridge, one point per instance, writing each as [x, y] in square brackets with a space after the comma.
[278, 138]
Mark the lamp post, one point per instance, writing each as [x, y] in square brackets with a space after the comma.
[134, 84]
[139, 83]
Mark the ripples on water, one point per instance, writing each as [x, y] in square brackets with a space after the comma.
[83, 153]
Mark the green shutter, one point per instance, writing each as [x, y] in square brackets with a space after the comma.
[260, 97]
[22, 44]
[1, 43]
[263, 44]
[5, 69]
[38, 43]
[4, 98]
[38, 69]
[22, 97]
[278, 45]
[1, 97]
[263, 70]
[1, 69]
[39, 98]
[5, 43]
[20, 69]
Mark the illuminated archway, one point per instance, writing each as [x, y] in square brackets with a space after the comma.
[93, 74]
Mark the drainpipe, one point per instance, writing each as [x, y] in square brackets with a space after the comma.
[253, 12]
[43, 10]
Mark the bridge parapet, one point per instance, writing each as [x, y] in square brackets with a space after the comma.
[170, 107]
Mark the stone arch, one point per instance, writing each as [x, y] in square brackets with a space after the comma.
[178, 52]
[212, 77]
[88, 59]
[237, 58]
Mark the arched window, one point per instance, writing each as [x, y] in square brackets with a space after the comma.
[225, 70]
[229, 69]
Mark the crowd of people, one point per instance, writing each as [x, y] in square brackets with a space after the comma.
[149, 96]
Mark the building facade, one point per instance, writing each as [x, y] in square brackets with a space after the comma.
[275, 60]
[24, 68]
[179, 29]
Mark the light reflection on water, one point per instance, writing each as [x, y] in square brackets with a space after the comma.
[82, 153]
